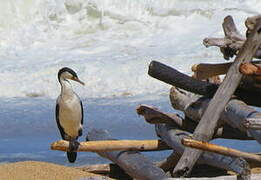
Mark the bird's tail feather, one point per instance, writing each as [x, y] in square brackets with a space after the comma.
[71, 156]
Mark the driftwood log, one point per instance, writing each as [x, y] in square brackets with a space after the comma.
[173, 77]
[219, 101]
[133, 163]
[235, 113]
[233, 40]
[112, 145]
[249, 157]
[173, 136]
[155, 116]
[252, 71]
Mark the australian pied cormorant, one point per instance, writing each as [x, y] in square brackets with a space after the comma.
[69, 111]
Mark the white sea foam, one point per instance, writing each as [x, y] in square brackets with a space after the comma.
[109, 43]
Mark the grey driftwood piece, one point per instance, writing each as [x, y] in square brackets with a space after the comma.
[233, 40]
[173, 137]
[217, 104]
[132, 162]
[155, 116]
[235, 113]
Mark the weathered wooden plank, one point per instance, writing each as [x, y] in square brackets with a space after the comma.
[133, 163]
[216, 106]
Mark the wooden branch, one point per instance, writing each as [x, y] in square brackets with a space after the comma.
[173, 137]
[234, 115]
[233, 40]
[155, 116]
[205, 71]
[133, 163]
[250, 157]
[253, 70]
[230, 29]
[113, 145]
[173, 77]
[217, 104]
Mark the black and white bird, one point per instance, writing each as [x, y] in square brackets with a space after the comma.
[69, 111]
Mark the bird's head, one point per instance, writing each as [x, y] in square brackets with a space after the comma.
[67, 73]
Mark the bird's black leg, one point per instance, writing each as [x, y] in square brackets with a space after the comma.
[73, 145]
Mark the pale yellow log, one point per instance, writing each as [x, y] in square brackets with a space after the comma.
[250, 157]
[113, 145]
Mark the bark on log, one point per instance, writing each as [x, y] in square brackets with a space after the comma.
[235, 113]
[173, 137]
[113, 145]
[205, 146]
[173, 77]
[220, 99]
[155, 116]
[133, 163]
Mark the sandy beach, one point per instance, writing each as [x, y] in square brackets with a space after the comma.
[36, 170]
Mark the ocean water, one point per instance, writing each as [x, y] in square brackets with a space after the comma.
[109, 43]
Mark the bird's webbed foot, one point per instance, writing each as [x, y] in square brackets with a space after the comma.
[73, 145]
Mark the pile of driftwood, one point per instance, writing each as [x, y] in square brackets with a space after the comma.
[212, 109]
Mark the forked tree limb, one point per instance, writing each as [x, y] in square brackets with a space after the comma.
[220, 99]
[233, 40]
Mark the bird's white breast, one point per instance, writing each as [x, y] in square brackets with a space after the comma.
[70, 114]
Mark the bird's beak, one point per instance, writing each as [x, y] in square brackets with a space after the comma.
[78, 80]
